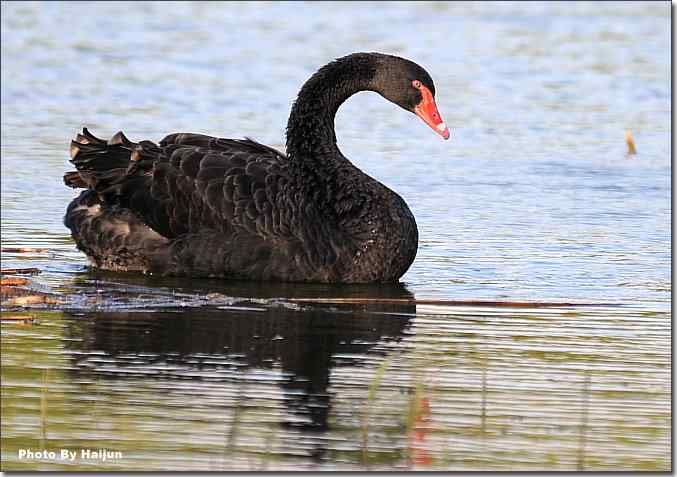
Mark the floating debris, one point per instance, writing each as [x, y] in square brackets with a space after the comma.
[11, 291]
[20, 271]
[18, 319]
[19, 296]
[13, 281]
[24, 250]
[37, 299]
[630, 142]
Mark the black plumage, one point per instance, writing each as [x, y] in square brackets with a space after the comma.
[195, 205]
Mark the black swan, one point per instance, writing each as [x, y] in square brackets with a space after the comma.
[202, 206]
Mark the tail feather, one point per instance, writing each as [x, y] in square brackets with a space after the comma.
[100, 164]
[74, 180]
[119, 139]
[91, 138]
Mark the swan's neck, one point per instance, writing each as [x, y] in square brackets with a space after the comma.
[311, 138]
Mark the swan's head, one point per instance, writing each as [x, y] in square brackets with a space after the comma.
[409, 86]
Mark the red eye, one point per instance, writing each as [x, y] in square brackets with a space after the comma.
[417, 84]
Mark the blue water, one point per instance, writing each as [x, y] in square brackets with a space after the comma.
[534, 198]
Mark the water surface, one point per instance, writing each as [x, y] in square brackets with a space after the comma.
[534, 199]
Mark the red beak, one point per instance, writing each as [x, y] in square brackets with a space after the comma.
[427, 111]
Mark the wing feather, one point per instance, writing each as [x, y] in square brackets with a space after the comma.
[199, 180]
[231, 196]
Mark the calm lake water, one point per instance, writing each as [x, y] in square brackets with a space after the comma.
[534, 199]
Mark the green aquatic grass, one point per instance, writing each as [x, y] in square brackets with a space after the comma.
[366, 414]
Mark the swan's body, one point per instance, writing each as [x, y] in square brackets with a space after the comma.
[196, 205]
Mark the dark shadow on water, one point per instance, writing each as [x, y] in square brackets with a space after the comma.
[195, 342]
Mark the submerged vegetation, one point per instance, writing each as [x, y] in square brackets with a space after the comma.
[537, 200]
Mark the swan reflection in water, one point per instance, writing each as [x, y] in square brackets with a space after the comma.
[204, 343]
